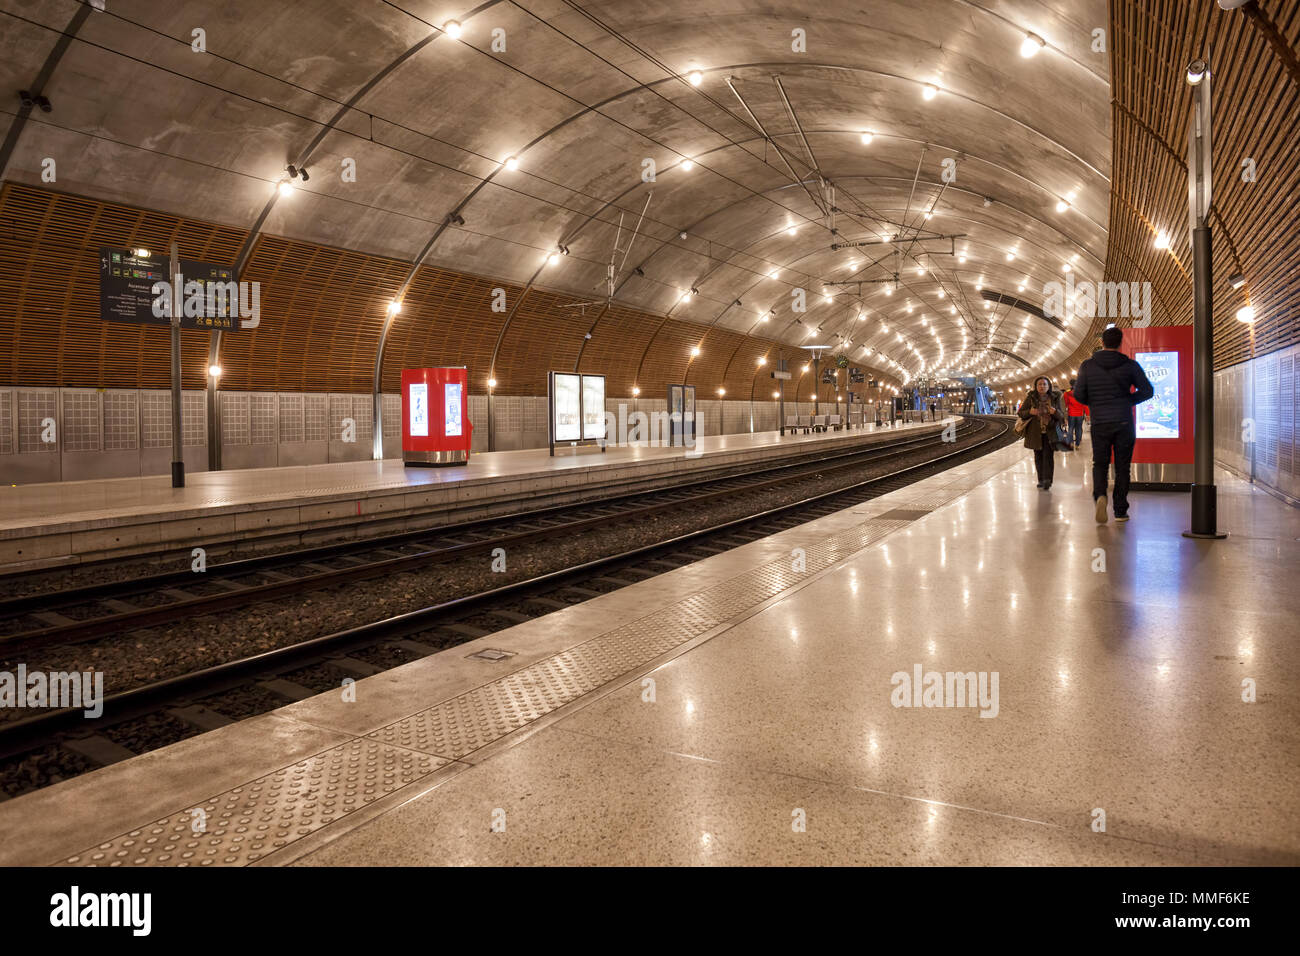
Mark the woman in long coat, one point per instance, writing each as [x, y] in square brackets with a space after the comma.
[1041, 410]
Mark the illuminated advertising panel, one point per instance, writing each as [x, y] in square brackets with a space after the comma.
[419, 406]
[1158, 418]
[453, 418]
[593, 406]
[568, 409]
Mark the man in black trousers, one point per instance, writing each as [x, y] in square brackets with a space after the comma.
[1111, 384]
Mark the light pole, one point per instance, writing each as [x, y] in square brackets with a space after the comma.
[1204, 494]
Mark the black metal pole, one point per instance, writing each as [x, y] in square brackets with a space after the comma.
[178, 425]
[1204, 503]
[817, 384]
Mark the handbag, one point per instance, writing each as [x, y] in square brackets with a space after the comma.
[1021, 425]
[1060, 432]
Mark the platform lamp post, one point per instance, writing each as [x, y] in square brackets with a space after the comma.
[1204, 494]
[178, 433]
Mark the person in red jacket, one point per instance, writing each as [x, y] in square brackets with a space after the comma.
[1076, 413]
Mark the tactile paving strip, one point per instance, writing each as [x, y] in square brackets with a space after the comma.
[936, 499]
[239, 826]
[473, 720]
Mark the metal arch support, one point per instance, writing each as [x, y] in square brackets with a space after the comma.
[241, 261]
[51, 63]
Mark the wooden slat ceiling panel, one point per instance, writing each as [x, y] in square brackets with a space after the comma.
[322, 312]
[615, 348]
[1256, 115]
[50, 330]
[446, 319]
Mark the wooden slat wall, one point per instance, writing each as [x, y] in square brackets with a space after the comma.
[323, 310]
[1256, 115]
[50, 332]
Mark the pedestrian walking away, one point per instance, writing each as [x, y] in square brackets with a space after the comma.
[1077, 412]
[1111, 384]
[1039, 414]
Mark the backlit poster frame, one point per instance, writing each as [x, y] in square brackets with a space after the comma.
[681, 415]
[1165, 463]
[583, 388]
[453, 410]
[419, 401]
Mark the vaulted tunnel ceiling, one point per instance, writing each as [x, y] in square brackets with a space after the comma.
[582, 95]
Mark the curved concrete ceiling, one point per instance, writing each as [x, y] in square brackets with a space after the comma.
[582, 95]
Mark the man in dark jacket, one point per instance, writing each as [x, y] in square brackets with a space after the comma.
[1110, 384]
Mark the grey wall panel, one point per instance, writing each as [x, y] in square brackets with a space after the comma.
[1260, 397]
[81, 466]
[249, 456]
[302, 453]
[26, 469]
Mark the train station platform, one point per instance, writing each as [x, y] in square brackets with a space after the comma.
[66, 523]
[1133, 701]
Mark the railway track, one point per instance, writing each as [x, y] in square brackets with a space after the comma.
[311, 666]
[77, 614]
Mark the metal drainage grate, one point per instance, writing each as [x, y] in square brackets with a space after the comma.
[491, 654]
[904, 514]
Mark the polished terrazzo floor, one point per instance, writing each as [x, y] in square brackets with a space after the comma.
[1120, 650]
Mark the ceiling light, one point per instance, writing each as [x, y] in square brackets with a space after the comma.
[826, 297]
[1062, 205]
[762, 360]
[512, 163]
[1031, 44]
[635, 391]
[553, 258]
[686, 297]
[722, 391]
[929, 91]
[889, 289]
[696, 78]
[1236, 281]
[214, 371]
[1246, 313]
[695, 351]
[1162, 241]
[867, 137]
[1011, 257]
[286, 188]
[688, 165]
[492, 383]
[452, 29]
[961, 258]
[1197, 70]
[394, 307]
[920, 270]
[1065, 267]
[928, 214]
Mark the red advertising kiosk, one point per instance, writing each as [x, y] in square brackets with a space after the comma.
[1164, 453]
[435, 425]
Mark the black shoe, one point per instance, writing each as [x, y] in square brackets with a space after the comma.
[1039, 485]
[1121, 517]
